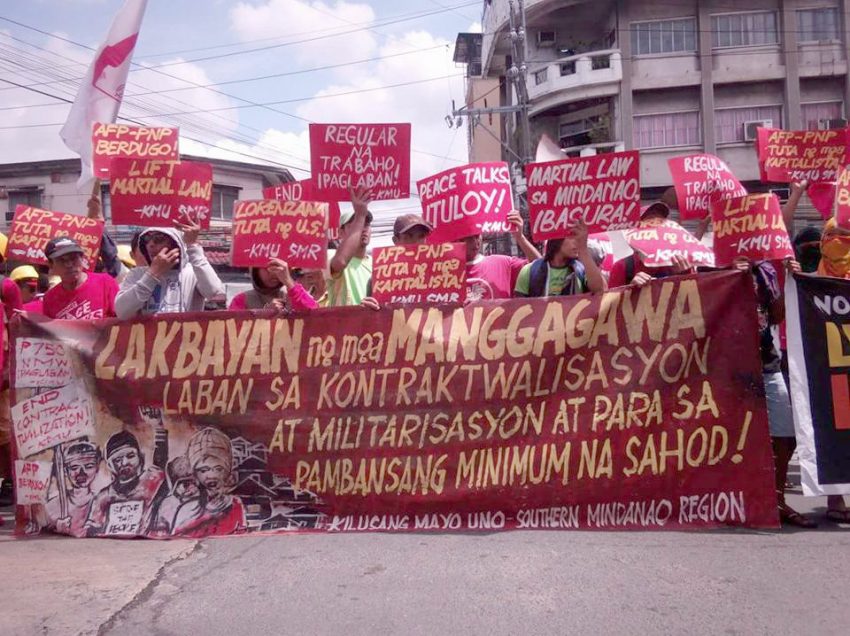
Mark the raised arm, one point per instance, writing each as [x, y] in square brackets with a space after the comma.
[526, 246]
[360, 200]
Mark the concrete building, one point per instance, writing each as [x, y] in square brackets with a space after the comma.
[52, 185]
[666, 78]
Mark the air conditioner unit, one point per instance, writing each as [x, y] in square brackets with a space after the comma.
[831, 124]
[546, 38]
[751, 128]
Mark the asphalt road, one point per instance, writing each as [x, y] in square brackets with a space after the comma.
[788, 582]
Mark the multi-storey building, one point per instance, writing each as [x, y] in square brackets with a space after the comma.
[666, 78]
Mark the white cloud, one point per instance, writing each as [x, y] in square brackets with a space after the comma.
[304, 20]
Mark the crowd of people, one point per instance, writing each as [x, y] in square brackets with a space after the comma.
[165, 270]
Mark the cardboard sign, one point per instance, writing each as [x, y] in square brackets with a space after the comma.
[110, 141]
[466, 201]
[420, 273]
[293, 231]
[660, 240]
[699, 181]
[42, 363]
[33, 228]
[749, 226]
[304, 191]
[52, 418]
[158, 193]
[372, 156]
[124, 518]
[822, 197]
[32, 480]
[806, 155]
[842, 199]
[603, 190]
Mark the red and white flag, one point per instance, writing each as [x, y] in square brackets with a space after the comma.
[102, 89]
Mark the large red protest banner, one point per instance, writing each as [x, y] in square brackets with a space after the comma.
[603, 191]
[294, 231]
[466, 201]
[32, 228]
[372, 156]
[749, 227]
[659, 241]
[304, 191]
[158, 193]
[788, 156]
[421, 273]
[110, 141]
[631, 409]
[700, 180]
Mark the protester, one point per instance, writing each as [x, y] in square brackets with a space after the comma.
[807, 249]
[80, 295]
[350, 265]
[26, 278]
[632, 270]
[567, 268]
[493, 277]
[408, 229]
[178, 277]
[771, 312]
[274, 288]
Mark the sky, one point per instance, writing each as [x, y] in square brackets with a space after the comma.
[366, 48]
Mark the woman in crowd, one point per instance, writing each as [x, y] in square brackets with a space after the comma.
[274, 288]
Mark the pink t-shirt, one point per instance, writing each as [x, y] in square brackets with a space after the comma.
[492, 277]
[34, 306]
[299, 300]
[93, 300]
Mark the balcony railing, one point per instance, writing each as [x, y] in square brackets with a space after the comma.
[576, 72]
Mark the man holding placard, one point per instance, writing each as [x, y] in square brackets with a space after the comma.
[81, 295]
[350, 265]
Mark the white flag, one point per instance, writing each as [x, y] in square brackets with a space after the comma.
[102, 89]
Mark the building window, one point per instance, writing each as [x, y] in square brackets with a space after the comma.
[664, 36]
[666, 130]
[223, 198]
[817, 25]
[25, 196]
[812, 114]
[729, 122]
[744, 29]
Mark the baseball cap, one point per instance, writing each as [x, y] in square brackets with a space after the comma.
[346, 217]
[407, 222]
[60, 246]
[23, 273]
[658, 208]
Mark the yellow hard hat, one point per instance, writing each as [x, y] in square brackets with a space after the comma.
[4, 240]
[125, 255]
[23, 272]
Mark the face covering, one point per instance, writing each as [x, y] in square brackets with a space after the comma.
[809, 258]
[835, 257]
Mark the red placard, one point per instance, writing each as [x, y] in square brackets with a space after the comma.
[822, 196]
[789, 156]
[419, 273]
[372, 156]
[466, 201]
[700, 180]
[158, 193]
[303, 191]
[110, 141]
[604, 190]
[660, 240]
[294, 231]
[32, 228]
[749, 226]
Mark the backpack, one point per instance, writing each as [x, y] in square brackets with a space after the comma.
[539, 277]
